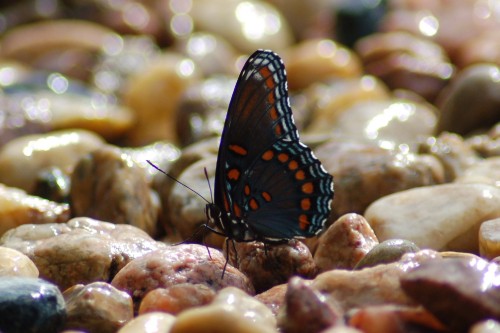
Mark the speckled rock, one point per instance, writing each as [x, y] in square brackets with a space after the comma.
[459, 292]
[364, 173]
[267, 266]
[370, 286]
[172, 265]
[176, 298]
[18, 208]
[80, 251]
[344, 243]
[307, 310]
[30, 305]
[386, 252]
[418, 215]
[107, 186]
[15, 263]
[273, 298]
[22, 159]
[472, 101]
[154, 322]
[231, 311]
[489, 239]
[97, 307]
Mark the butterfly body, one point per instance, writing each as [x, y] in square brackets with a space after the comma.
[269, 186]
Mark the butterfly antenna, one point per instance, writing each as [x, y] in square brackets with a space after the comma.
[209, 186]
[179, 182]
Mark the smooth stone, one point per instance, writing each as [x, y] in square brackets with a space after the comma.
[83, 250]
[376, 285]
[172, 265]
[459, 292]
[486, 326]
[176, 298]
[385, 123]
[344, 243]
[154, 322]
[107, 186]
[18, 208]
[440, 217]
[319, 60]
[231, 311]
[154, 108]
[489, 239]
[471, 103]
[361, 173]
[30, 305]
[307, 310]
[22, 159]
[268, 265]
[485, 171]
[15, 263]
[246, 25]
[97, 307]
[386, 252]
[484, 48]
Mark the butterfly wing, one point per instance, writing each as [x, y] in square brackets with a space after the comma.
[268, 184]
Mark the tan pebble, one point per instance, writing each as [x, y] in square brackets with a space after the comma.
[23, 158]
[154, 322]
[486, 326]
[489, 239]
[440, 217]
[319, 60]
[18, 208]
[485, 171]
[15, 263]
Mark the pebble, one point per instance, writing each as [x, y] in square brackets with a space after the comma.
[270, 265]
[482, 49]
[154, 322]
[172, 265]
[176, 298]
[440, 217]
[472, 100]
[273, 298]
[19, 208]
[30, 305]
[22, 159]
[82, 250]
[486, 171]
[386, 252]
[364, 173]
[489, 239]
[53, 184]
[307, 310]
[459, 292]
[486, 326]
[107, 186]
[344, 243]
[231, 311]
[97, 307]
[15, 263]
[319, 60]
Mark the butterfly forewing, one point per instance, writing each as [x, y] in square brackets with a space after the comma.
[268, 185]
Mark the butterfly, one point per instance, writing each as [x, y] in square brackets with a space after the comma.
[269, 186]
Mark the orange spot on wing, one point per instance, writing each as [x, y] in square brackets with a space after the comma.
[282, 157]
[226, 202]
[233, 174]
[303, 222]
[238, 150]
[293, 165]
[237, 210]
[254, 205]
[305, 204]
[273, 113]
[266, 196]
[307, 188]
[265, 72]
[247, 190]
[268, 155]
[278, 130]
[300, 175]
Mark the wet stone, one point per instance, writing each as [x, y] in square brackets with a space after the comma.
[154, 322]
[30, 305]
[270, 265]
[53, 184]
[15, 263]
[459, 292]
[97, 307]
[344, 243]
[105, 185]
[80, 251]
[386, 252]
